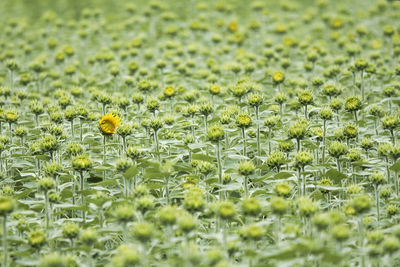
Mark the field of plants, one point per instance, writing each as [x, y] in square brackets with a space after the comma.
[199, 133]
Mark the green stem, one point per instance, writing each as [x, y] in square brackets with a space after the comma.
[46, 209]
[219, 168]
[157, 145]
[258, 133]
[377, 202]
[244, 141]
[324, 142]
[246, 186]
[5, 248]
[83, 197]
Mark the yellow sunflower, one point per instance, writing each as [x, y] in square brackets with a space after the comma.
[109, 123]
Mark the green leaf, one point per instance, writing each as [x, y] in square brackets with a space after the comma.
[131, 172]
[202, 157]
[283, 175]
[395, 167]
[335, 175]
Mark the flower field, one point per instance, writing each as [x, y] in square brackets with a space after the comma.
[199, 133]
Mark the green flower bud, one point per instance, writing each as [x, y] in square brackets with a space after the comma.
[11, 115]
[305, 98]
[278, 77]
[283, 189]
[255, 100]
[276, 160]
[156, 124]
[350, 131]
[390, 122]
[354, 155]
[206, 109]
[124, 213]
[167, 215]
[21, 131]
[331, 90]
[226, 210]
[70, 230]
[7, 205]
[251, 232]
[279, 205]
[186, 223]
[46, 183]
[272, 121]
[123, 165]
[36, 238]
[326, 113]
[307, 207]
[384, 149]
[298, 130]
[374, 237]
[352, 104]
[366, 144]
[280, 98]
[361, 203]
[337, 149]
[88, 237]
[215, 133]
[81, 163]
[251, 207]
[143, 231]
[126, 256]
[205, 167]
[341, 232]
[390, 245]
[144, 204]
[385, 193]
[377, 178]
[124, 130]
[246, 168]
[361, 64]
[74, 149]
[286, 146]
[48, 144]
[336, 104]
[153, 105]
[194, 200]
[243, 120]
[54, 259]
[52, 169]
[133, 153]
[303, 159]
[321, 221]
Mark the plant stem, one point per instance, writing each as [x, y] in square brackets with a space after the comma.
[324, 142]
[246, 187]
[258, 133]
[244, 141]
[219, 168]
[377, 202]
[83, 197]
[5, 249]
[46, 209]
[157, 146]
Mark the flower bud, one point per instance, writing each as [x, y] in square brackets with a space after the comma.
[81, 163]
[226, 210]
[142, 231]
[337, 149]
[88, 237]
[251, 207]
[246, 168]
[243, 120]
[70, 230]
[126, 256]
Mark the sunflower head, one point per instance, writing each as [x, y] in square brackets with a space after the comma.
[109, 123]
